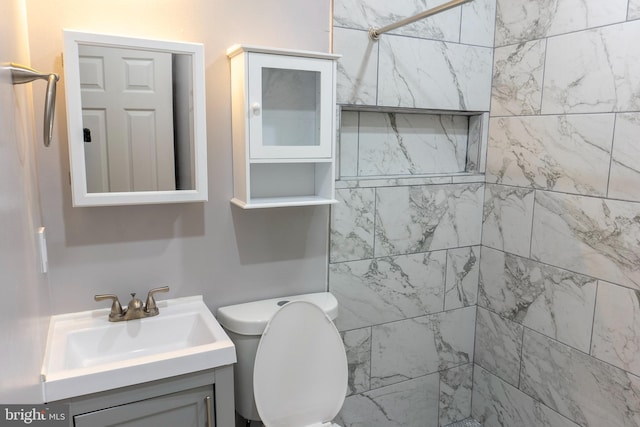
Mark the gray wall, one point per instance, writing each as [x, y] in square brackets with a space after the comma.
[405, 247]
[211, 248]
[25, 302]
[558, 319]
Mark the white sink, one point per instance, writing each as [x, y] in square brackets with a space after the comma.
[87, 354]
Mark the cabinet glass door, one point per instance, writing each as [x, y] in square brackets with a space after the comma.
[290, 107]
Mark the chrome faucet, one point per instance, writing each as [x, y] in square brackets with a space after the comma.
[135, 309]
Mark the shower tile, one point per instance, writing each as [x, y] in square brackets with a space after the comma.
[455, 394]
[584, 389]
[370, 182]
[414, 347]
[498, 404]
[357, 68]
[507, 216]
[587, 72]
[347, 161]
[568, 153]
[352, 223]
[592, 236]
[357, 344]
[421, 218]
[387, 289]
[418, 73]
[625, 169]
[554, 302]
[378, 13]
[477, 144]
[517, 79]
[634, 9]
[498, 345]
[522, 21]
[615, 331]
[411, 144]
[409, 403]
[478, 22]
[463, 269]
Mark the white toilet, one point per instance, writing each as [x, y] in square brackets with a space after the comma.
[290, 359]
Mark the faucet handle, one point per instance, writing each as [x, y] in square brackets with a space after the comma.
[150, 306]
[116, 308]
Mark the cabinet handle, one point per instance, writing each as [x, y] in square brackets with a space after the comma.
[255, 108]
[207, 401]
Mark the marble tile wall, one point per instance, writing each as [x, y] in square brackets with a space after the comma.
[558, 329]
[380, 144]
[407, 291]
[443, 62]
[406, 233]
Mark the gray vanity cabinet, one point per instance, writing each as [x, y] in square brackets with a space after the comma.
[200, 399]
[184, 409]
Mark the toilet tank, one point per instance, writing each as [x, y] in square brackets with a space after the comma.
[245, 323]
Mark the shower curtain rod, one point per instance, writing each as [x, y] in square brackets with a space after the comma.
[374, 33]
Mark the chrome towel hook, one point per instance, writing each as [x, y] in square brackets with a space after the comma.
[22, 74]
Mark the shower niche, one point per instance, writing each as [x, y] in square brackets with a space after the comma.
[376, 142]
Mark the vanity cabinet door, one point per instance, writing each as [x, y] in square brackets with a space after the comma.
[184, 409]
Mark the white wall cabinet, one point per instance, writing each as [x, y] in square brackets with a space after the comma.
[284, 115]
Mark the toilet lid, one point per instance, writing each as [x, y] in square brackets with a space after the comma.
[300, 371]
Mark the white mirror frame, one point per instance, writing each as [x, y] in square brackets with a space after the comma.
[80, 196]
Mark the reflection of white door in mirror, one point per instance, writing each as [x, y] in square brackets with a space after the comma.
[126, 95]
[141, 103]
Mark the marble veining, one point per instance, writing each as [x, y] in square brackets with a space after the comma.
[478, 22]
[352, 222]
[521, 21]
[589, 71]
[463, 269]
[418, 73]
[357, 344]
[381, 290]
[378, 13]
[498, 345]
[455, 394]
[498, 404]
[596, 237]
[517, 79]
[552, 301]
[357, 69]
[584, 389]
[421, 345]
[507, 217]
[616, 328]
[625, 162]
[409, 403]
[421, 218]
[410, 144]
[562, 153]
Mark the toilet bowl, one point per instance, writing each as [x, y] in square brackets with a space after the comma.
[292, 366]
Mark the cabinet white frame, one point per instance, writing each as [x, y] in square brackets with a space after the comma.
[259, 149]
[269, 175]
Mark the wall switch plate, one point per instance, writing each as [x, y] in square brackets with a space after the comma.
[41, 242]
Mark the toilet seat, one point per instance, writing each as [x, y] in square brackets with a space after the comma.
[300, 371]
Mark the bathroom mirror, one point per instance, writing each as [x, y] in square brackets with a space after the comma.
[136, 120]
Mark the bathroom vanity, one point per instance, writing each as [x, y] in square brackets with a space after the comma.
[202, 399]
[175, 368]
